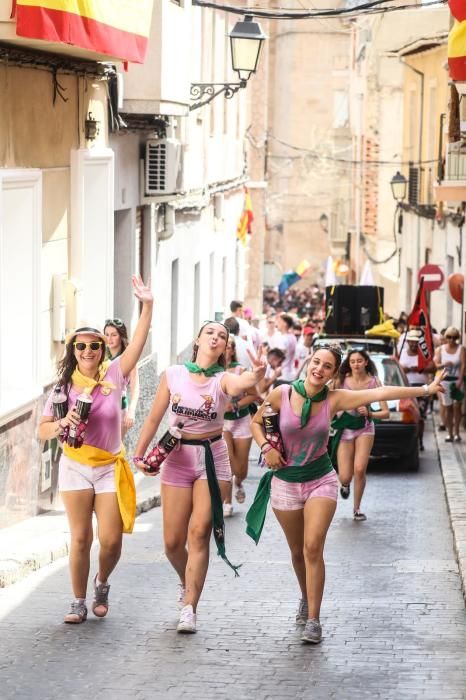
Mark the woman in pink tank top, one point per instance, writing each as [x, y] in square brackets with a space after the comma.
[304, 486]
[357, 372]
[237, 432]
[196, 395]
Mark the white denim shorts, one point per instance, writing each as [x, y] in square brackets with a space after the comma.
[73, 476]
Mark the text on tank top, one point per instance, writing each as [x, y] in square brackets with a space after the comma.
[303, 445]
[199, 407]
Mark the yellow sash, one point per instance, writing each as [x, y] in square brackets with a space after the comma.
[124, 481]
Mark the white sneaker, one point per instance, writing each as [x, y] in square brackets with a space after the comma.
[227, 510]
[180, 596]
[187, 623]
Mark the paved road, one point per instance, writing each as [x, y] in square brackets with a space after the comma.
[393, 615]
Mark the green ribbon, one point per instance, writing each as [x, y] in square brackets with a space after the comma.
[209, 372]
[455, 393]
[230, 415]
[255, 517]
[218, 523]
[298, 386]
[233, 364]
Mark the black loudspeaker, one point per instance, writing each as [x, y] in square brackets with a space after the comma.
[351, 310]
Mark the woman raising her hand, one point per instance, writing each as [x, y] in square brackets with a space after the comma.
[196, 475]
[302, 484]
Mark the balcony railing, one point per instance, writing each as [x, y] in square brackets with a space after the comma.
[456, 162]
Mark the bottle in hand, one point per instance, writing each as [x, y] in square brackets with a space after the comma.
[83, 408]
[271, 423]
[59, 403]
[165, 445]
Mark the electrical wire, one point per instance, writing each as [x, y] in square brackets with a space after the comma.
[367, 8]
[392, 255]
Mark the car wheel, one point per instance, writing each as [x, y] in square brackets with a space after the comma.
[411, 461]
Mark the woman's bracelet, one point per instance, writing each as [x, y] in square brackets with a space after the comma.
[425, 388]
[264, 444]
[266, 448]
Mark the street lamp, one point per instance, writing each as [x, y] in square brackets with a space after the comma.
[399, 185]
[246, 39]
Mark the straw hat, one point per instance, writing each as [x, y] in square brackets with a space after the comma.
[84, 330]
[413, 334]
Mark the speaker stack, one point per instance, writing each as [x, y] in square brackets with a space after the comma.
[351, 310]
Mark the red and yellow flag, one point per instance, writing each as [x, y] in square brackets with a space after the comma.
[246, 219]
[457, 41]
[111, 27]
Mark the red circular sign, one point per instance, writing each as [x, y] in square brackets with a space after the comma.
[433, 277]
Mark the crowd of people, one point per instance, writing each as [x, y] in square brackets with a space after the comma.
[243, 371]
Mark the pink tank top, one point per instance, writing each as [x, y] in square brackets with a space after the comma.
[303, 445]
[372, 385]
[104, 426]
[199, 407]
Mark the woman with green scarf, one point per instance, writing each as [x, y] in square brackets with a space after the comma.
[237, 431]
[302, 483]
[196, 475]
[355, 430]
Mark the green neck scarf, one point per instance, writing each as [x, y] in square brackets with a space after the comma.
[233, 364]
[298, 386]
[209, 372]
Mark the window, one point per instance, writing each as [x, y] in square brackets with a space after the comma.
[340, 109]
[20, 247]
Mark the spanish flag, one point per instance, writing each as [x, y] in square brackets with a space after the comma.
[111, 27]
[458, 9]
[457, 41]
[246, 219]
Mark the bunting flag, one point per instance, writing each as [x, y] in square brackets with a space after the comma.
[419, 317]
[111, 27]
[246, 219]
[293, 276]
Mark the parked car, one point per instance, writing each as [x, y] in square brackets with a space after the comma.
[396, 438]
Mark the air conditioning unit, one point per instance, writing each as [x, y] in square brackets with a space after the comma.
[162, 166]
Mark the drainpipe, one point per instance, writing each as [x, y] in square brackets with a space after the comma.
[421, 129]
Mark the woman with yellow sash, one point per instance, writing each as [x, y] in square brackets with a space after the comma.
[96, 477]
[302, 484]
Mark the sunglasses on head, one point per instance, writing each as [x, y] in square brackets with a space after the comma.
[206, 323]
[117, 322]
[93, 345]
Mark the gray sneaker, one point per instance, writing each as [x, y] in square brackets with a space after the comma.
[303, 612]
[77, 613]
[100, 598]
[312, 633]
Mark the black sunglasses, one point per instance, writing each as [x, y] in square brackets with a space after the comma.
[452, 337]
[117, 322]
[206, 323]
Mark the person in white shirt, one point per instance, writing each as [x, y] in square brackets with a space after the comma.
[242, 346]
[286, 341]
[236, 308]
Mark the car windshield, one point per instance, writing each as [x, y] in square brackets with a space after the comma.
[389, 371]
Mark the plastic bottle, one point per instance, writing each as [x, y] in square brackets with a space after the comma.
[83, 408]
[271, 423]
[165, 445]
[59, 403]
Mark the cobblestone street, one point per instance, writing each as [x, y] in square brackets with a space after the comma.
[393, 616]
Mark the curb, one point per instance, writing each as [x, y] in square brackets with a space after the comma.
[52, 546]
[454, 484]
